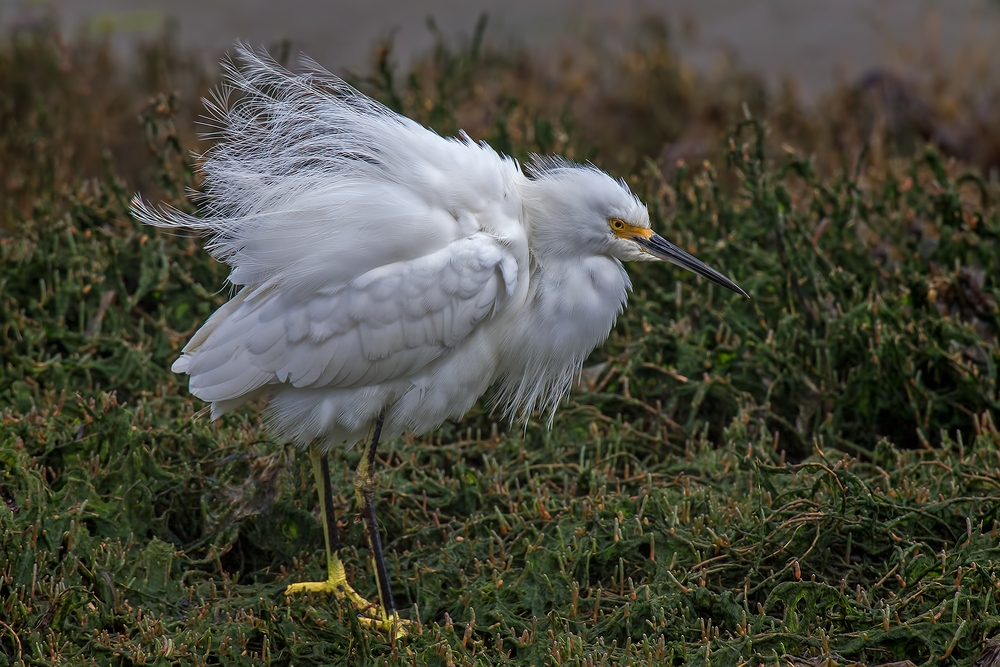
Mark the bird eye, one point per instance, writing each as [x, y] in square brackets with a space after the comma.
[617, 224]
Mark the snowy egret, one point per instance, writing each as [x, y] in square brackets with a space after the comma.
[388, 276]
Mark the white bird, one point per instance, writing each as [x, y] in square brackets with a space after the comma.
[388, 277]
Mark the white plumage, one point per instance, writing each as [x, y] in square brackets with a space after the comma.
[385, 269]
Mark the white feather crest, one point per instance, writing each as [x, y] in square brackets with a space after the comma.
[305, 164]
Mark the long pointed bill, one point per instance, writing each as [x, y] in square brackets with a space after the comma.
[658, 246]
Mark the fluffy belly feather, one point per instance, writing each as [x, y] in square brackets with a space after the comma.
[446, 389]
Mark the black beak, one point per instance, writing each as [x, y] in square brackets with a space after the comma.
[659, 247]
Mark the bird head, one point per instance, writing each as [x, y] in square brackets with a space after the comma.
[581, 208]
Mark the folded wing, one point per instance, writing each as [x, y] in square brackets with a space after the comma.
[386, 324]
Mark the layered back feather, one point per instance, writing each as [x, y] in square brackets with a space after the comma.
[305, 168]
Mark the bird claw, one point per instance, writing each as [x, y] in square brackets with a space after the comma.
[391, 624]
[370, 615]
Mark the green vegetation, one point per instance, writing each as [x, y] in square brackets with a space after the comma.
[808, 477]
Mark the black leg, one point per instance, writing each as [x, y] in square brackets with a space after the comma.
[326, 496]
[364, 484]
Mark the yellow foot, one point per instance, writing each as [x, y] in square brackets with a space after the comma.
[370, 615]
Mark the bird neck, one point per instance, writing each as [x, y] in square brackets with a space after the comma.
[570, 309]
[578, 299]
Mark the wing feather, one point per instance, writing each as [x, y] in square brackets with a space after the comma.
[366, 333]
[365, 245]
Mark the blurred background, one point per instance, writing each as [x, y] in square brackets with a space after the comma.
[817, 43]
[636, 80]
